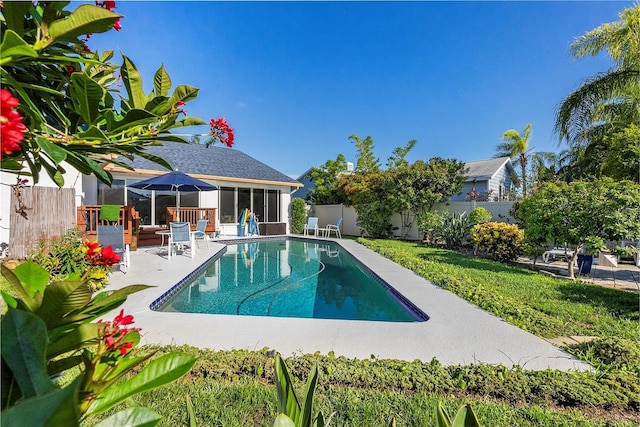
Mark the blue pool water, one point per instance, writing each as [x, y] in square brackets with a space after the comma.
[290, 278]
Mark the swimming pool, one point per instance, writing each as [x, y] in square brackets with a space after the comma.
[289, 277]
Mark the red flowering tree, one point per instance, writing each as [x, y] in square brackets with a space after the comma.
[68, 98]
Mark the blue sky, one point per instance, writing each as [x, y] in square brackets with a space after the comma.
[295, 79]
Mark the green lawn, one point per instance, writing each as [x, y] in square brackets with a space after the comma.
[235, 388]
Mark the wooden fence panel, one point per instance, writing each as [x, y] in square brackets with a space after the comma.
[50, 212]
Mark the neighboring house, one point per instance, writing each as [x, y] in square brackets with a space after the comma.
[243, 182]
[309, 185]
[489, 180]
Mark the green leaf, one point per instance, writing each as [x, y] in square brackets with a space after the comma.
[158, 372]
[61, 298]
[56, 153]
[15, 285]
[465, 417]
[183, 93]
[86, 19]
[9, 300]
[161, 82]
[106, 303]
[287, 400]
[132, 417]
[132, 119]
[190, 121]
[13, 13]
[24, 339]
[61, 365]
[306, 413]
[283, 421]
[133, 84]
[191, 412]
[83, 336]
[442, 419]
[58, 407]
[86, 95]
[93, 134]
[13, 46]
[33, 277]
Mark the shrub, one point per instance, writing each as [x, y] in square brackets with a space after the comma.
[455, 230]
[65, 258]
[501, 241]
[430, 225]
[298, 215]
[480, 215]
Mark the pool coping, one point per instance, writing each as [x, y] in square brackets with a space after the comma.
[457, 332]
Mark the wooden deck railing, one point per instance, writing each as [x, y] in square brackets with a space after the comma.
[88, 219]
[192, 215]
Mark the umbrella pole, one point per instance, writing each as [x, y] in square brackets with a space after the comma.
[178, 205]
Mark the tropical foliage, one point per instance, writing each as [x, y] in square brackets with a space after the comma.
[70, 97]
[571, 214]
[516, 145]
[49, 328]
[325, 179]
[606, 104]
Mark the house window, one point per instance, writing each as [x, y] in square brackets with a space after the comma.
[227, 204]
[258, 204]
[265, 204]
[141, 202]
[113, 195]
[273, 205]
[244, 200]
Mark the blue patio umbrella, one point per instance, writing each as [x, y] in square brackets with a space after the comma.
[174, 181]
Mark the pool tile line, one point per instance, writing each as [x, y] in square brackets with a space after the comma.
[162, 299]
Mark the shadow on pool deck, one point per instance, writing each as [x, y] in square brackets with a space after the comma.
[457, 332]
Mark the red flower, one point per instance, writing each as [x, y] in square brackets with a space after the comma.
[117, 25]
[92, 250]
[109, 257]
[121, 319]
[12, 129]
[221, 130]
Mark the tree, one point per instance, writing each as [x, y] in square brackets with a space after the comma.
[325, 179]
[516, 145]
[574, 213]
[398, 157]
[610, 101]
[367, 162]
[417, 187]
[73, 112]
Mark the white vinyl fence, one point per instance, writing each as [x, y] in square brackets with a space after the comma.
[328, 214]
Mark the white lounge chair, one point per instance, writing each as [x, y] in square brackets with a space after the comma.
[312, 224]
[180, 234]
[553, 253]
[200, 233]
[332, 227]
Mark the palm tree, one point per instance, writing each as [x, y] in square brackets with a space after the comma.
[609, 101]
[517, 146]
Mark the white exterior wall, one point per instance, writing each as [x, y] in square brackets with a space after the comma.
[328, 214]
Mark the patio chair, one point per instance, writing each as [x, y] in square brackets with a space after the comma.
[332, 227]
[200, 233]
[312, 224]
[180, 234]
[113, 235]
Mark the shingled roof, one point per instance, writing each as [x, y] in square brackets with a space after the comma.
[211, 161]
[485, 169]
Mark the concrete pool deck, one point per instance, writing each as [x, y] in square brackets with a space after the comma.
[457, 333]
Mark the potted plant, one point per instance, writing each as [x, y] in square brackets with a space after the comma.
[592, 246]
